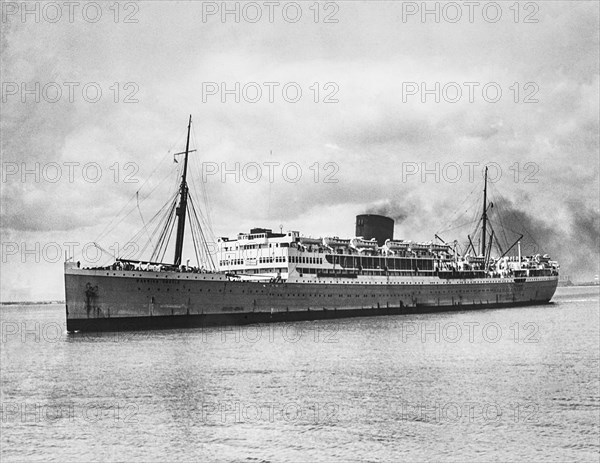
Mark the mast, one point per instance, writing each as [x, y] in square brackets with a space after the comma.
[181, 209]
[484, 216]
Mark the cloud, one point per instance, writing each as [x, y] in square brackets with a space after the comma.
[575, 246]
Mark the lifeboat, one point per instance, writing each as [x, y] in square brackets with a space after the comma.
[306, 240]
[360, 243]
[420, 246]
[335, 242]
[396, 245]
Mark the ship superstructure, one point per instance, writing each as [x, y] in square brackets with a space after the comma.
[262, 254]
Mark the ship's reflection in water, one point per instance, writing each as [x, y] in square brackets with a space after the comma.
[493, 385]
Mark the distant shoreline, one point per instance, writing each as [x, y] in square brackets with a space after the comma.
[32, 302]
[571, 285]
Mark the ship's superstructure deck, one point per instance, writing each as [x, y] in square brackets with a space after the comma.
[262, 253]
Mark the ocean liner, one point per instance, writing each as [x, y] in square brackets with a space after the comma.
[264, 276]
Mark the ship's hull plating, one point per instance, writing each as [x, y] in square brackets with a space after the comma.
[106, 300]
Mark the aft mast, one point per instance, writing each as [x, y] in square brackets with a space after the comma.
[484, 216]
[183, 196]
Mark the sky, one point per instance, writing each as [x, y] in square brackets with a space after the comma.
[354, 106]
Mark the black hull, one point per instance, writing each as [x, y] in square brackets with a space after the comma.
[246, 318]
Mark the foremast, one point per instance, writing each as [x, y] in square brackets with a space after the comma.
[484, 216]
[183, 197]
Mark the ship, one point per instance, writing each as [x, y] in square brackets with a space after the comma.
[264, 276]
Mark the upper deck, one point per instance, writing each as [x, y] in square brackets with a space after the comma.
[285, 255]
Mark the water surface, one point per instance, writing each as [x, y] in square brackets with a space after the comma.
[495, 385]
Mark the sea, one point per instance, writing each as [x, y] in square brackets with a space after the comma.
[499, 385]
